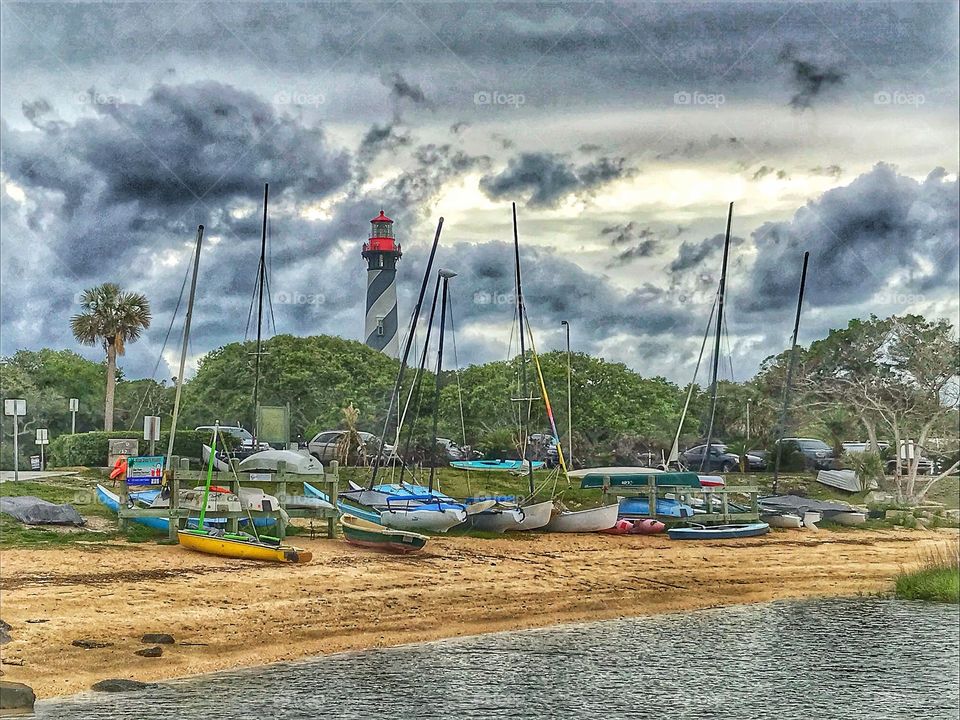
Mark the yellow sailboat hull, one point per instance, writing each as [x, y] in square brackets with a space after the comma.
[242, 549]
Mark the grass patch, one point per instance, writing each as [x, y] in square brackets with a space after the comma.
[937, 580]
[13, 534]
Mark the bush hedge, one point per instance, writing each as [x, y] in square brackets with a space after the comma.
[91, 448]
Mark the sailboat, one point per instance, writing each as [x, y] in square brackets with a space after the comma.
[236, 545]
[528, 514]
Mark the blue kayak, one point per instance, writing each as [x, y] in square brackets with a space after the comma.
[639, 507]
[508, 465]
[718, 532]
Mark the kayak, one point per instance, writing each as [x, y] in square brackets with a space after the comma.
[508, 465]
[718, 532]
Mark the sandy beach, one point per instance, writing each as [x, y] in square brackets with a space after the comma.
[229, 614]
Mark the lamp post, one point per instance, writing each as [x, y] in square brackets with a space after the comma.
[748, 419]
[74, 406]
[566, 326]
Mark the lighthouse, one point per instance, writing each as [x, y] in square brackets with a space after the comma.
[381, 252]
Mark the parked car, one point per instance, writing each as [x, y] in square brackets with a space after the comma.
[541, 446]
[458, 452]
[720, 459]
[244, 438]
[817, 455]
[908, 451]
[323, 446]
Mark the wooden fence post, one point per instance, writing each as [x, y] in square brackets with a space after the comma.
[332, 489]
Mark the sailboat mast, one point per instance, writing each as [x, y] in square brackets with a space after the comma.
[716, 347]
[790, 369]
[524, 422]
[183, 349]
[415, 385]
[261, 278]
[446, 275]
[406, 354]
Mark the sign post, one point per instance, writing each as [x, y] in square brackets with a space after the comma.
[74, 406]
[16, 408]
[43, 438]
[151, 430]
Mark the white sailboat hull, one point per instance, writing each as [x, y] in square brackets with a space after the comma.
[497, 520]
[584, 521]
[787, 521]
[537, 516]
[423, 520]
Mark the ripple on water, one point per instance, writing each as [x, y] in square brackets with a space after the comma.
[834, 659]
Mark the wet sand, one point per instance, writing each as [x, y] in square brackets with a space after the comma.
[239, 614]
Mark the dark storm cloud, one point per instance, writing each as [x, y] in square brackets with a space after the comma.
[695, 254]
[401, 89]
[881, 232]
[809, 78]
[765, 170]
[100, 214]
[555, 289]
[547, 178]
[641, 242]
[833, 171]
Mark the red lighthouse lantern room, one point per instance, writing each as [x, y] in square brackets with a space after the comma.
[381, 237]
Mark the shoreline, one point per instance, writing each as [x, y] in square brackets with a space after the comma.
[348, 599]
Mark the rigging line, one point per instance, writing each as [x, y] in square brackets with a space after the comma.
[456, 365]
[269, 271]
[546, 401]
[226, 449]
[273, 320]
[675, 449]
[726, 337]
[253, 300]
[166, 338]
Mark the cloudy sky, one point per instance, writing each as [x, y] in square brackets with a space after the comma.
[621, 130]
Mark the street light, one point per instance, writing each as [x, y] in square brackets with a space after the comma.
[566, 325]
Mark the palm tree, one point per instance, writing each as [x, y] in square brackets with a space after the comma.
[114, 318]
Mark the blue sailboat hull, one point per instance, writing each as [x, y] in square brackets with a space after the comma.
[640, 507]
[112, 501]
[355, 510]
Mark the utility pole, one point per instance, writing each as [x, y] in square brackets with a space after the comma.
[74, 406]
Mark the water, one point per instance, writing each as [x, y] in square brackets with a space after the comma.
[836, 659]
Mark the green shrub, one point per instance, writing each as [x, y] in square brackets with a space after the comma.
[499, 443]
[91, 448]
[867, 465]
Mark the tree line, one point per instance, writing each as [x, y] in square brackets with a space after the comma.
[877, 379]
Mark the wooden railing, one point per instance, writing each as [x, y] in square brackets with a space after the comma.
[284, 485]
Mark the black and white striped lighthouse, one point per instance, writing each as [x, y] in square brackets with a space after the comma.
[381, 252]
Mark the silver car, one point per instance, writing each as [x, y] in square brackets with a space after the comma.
[323, 446]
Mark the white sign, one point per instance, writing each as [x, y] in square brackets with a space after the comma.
[151, 427]
[74, 404]
[42, 437]
[15, 407]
